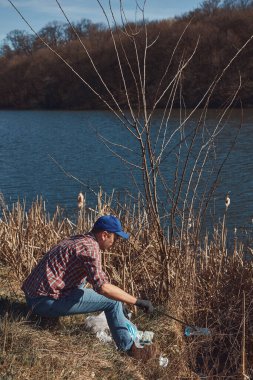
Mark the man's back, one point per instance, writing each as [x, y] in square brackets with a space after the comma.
[64, 267]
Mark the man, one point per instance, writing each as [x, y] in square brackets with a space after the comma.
[55, 287]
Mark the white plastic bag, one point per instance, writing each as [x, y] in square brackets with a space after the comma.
[97, 324]
[103, 336]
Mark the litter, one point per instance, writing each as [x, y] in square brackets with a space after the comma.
[140, 338]
[97, 324]
[163, 361]
[104, 337]
[189, 331]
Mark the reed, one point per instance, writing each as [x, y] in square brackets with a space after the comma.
[209, 286]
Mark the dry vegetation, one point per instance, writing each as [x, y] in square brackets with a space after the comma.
[210, 287]
[31, 77]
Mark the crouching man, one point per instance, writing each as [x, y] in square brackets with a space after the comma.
[55, 287]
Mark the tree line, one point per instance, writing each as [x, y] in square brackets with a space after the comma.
[32, 77]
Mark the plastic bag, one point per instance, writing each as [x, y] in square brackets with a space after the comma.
[97, 324]
[103, 337]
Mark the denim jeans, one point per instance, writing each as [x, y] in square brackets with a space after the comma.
[80, 301]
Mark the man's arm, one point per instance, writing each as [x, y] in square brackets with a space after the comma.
[115, 293]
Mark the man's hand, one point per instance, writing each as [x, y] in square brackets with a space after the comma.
[145, 305]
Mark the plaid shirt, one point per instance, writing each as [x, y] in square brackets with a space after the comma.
[65, 267]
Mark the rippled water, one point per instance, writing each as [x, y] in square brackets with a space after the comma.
[27, 138]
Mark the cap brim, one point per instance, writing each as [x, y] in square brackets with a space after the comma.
[122, 234]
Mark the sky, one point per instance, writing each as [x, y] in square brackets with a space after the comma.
[41, 12]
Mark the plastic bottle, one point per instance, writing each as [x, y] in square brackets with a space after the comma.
[146, 337]
[190, 331]
[140, 338]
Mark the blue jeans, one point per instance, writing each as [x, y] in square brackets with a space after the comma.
[80, 301]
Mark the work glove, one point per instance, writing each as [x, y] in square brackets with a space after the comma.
[145, 305]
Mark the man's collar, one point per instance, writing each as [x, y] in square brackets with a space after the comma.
[93, 236]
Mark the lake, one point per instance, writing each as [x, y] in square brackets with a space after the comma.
[28, 138]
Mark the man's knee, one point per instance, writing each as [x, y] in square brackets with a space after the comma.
[114, 305]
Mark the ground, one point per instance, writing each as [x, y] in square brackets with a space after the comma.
[30, 351]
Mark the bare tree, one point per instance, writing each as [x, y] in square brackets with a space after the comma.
[19, 41]
[53, 33]
[209, 6]
[237, 3]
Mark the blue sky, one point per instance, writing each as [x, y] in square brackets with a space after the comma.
[40, 12]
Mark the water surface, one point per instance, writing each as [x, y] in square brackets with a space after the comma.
[28, 138]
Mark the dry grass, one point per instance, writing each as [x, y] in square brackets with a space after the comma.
[29, 353]
[208, 287]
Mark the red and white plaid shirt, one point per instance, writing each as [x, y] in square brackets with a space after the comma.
[65, 267]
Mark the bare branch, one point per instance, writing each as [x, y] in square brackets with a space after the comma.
[93, 63]
[66, 63]
[107, 143]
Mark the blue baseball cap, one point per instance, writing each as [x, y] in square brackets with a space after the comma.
[110, 223]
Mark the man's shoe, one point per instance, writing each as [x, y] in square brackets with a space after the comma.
[144, 354]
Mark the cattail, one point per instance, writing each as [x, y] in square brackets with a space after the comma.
[227, 201]
[80, 200]
[2, 202]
